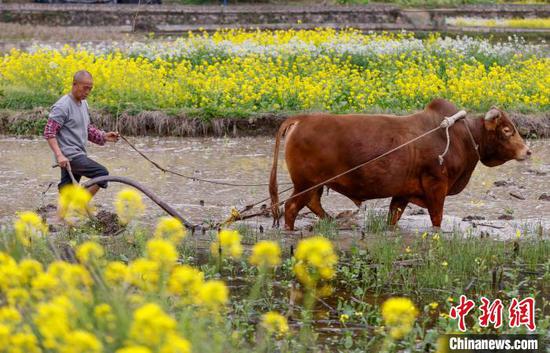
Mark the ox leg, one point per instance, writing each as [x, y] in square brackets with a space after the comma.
[315, 204]
[435, 191]
[293, 206]
[397, 207]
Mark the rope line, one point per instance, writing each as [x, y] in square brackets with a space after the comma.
[165, 170]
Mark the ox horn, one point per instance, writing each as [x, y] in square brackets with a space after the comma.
[491, 114]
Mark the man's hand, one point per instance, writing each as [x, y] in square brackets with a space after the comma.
[62, 160]
[112, 136]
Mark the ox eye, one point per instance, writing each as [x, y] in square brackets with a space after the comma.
[507, 131]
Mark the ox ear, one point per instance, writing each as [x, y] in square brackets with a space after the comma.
[491, 119]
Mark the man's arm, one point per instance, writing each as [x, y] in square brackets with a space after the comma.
[99, 137]
[61, 159]
[95, 135]
[50, 132]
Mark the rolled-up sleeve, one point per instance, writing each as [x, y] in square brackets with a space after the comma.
[57, 117]
[95, 135]
[51, 129]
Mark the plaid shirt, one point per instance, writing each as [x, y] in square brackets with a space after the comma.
[94, 134]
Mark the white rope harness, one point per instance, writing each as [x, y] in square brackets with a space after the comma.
[446, 124]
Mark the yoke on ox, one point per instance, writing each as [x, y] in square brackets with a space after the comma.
[321, 146]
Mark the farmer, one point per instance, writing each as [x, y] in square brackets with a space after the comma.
[67, 130]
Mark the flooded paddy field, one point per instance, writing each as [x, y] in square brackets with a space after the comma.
[374, 264]
[497, 201]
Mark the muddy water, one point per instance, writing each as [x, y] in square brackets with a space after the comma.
[25, 173]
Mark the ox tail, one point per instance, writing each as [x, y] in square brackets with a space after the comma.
[273, 188]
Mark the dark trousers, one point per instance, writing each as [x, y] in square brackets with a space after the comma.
[83, 166]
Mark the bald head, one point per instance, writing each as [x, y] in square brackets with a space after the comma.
[82, 75]
[82, 85]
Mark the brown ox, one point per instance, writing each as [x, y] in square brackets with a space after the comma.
[321, 146]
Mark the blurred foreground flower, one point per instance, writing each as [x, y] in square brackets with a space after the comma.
[74, 203]
[128, 205]
[399, 315]
[116, 273]
[89, 252]
[170, 228]
[162, 252]
[151, 325]
[213, 294]
[275, 323]
[28, 226]
[228, 244]
[315, 260]
[266, 254]
[186, 282]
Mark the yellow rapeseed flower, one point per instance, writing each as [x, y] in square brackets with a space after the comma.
[150, 326]
[175, 344]
[275, 323]
[128, 205]
[70, 275]
[28, 226]
[213, 294]
[315, 260]
[115, 273]
[163, 252]
[170, 228]
[5, 333]
[399, 315]
[186, 282]
[266, 254]
[23, 342]
[136, 299]
[80, 341]
[325, 291]
[18, 297]
[324, 77]
[53, 321]
[229, 242]
[89, 252]
[28, 270]
[133, 349]
[9, 316]
[144, 274]
[9, 272]
[74, 203]
[44, 284]
[103, 313]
